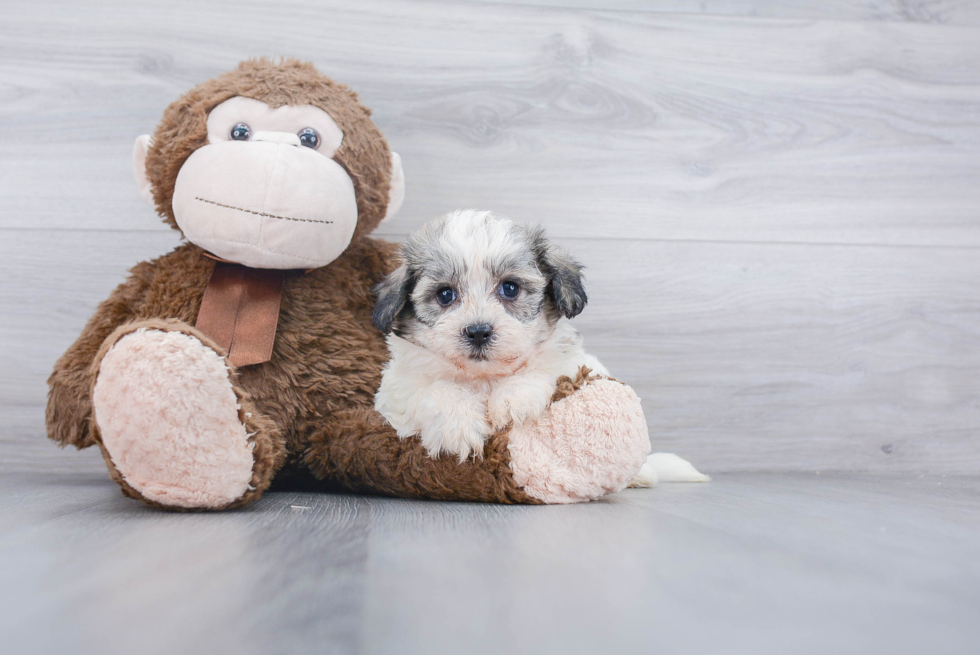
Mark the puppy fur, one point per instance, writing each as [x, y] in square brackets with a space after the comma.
[464, 369]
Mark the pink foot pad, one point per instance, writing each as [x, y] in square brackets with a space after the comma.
[587, 445]
[168, 417]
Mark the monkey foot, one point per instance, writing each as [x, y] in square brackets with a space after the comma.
[169, 420]
[590, 443]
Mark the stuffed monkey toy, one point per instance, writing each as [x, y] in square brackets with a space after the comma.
[248, 353]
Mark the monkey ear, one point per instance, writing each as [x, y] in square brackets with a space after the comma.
[396, 192]
[565, 280]
[391, 294]
[140, 148]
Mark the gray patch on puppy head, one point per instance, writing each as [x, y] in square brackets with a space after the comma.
[442, 264]
[515, 257]
[437, 265]
[526, 308]
[519, 265]
[436, 262]
[427, 309]
[426, 251]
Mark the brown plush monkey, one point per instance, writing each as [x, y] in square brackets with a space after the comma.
[248, 352]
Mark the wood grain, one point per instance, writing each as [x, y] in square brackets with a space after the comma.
[747, 356]
[945, 12]
[767, 357]
[666, 126]
[746, 564]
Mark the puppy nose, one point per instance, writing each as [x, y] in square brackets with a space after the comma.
[478, 335]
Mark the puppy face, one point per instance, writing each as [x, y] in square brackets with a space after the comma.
[480, 291]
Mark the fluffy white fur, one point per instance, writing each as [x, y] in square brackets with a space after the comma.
[667, 467]
[435, 384]
[454, 408]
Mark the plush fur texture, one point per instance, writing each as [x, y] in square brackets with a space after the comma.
[453, 390]
[364, 153]
[316, 395]
[264, 438]
[168, 417]
[588, 444]
[307, 412]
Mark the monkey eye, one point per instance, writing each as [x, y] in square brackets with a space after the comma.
[446, 296]
[509, 290]
[309, 138]
[241, 132]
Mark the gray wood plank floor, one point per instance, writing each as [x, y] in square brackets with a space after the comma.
[750, 563]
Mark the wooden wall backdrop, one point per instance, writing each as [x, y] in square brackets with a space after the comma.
[778, 202]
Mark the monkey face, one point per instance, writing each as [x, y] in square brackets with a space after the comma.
[271, 165]
[264, 191]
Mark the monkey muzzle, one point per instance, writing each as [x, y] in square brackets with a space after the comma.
[266, 203]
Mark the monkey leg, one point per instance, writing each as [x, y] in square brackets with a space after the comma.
[174, 429]
[592, 441]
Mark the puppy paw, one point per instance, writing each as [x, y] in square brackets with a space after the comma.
[499, 411]
[446, 417]
[460, 438]
[517, 404]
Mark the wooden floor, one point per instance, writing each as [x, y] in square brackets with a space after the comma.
[778, 202]
[750, 563]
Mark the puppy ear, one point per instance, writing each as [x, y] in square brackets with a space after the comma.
[392, 294]
[565, 281]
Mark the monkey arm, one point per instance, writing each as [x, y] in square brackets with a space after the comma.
[592, 442]
[356, 449]
[69, 411]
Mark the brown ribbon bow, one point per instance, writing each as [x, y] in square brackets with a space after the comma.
[240, 310]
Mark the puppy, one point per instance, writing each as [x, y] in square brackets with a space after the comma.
[475, 323]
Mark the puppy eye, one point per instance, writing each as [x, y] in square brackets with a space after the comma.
[446, 296]
[509, 290]
[309, 138]
[241, 132]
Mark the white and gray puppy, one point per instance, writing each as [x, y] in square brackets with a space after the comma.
[476, 315]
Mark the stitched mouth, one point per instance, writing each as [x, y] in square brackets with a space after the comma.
[251, 211]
